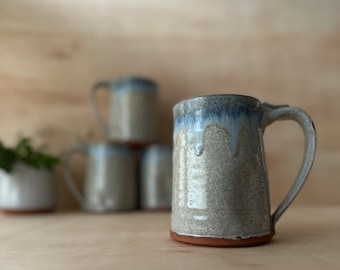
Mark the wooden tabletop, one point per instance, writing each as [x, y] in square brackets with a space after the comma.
[307, 238]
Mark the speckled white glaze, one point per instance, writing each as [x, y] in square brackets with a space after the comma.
[156, 177]
[111, 177]
[133, 110]
[27, 189]
[220, 185]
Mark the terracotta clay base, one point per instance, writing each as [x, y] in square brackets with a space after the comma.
[21, 212]
[221, 242]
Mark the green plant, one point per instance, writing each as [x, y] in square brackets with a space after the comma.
[25, 152]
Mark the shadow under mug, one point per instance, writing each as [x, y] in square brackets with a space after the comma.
[133, 111]
[156, 177]
[111, 177]
[220, 183]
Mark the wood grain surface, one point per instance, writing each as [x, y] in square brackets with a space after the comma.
[52, 52]
[306, 238]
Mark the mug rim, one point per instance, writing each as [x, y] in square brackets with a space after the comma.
[129, 83]
[254, 99]
[141, 82]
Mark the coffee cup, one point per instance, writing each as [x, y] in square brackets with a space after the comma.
[220, 182]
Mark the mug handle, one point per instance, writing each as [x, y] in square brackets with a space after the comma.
[95, 107]
[81, 148]
[272, 113]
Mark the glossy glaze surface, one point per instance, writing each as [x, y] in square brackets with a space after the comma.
[232, 113]
[220, 179]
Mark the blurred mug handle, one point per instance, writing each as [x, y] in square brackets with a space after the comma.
[80, 148]
[95, 107]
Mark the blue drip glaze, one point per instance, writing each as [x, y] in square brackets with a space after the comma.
[194, 125]
[127, 84]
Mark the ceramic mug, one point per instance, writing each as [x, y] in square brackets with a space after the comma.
[132, 117]
[156, 177]
[111, 177]
[27, 190]
[220, 185]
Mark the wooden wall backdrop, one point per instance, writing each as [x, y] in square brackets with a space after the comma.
[51, 53]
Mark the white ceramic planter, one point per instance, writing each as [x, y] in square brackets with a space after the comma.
[27, 189]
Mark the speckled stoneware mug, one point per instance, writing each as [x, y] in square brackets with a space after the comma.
[220, 185]
[156, 177]
[111, 177]
[133, 111]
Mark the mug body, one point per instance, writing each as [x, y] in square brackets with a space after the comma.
[156, 177]
[220, 186]
[27, 190]
[133, 114]
[111, 178]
